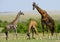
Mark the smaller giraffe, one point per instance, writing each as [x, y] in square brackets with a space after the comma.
[13, 25]
[32, 27]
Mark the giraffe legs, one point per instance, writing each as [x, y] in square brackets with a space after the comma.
[28, 34]
[43, 28]
[34, 31]
[33, 34]
[6, 33]
[47, 30]
[8, 28]
[15, 30]
[52, 29]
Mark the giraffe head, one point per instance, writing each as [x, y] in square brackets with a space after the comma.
[33, 5]
[20, 13]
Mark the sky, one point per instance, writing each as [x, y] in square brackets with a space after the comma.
[26, 5]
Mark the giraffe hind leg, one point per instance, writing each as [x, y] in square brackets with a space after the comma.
[28, 34]
[33, 31]
[52, 31]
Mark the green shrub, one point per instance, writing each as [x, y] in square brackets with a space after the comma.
[22, 27]
[58, 30]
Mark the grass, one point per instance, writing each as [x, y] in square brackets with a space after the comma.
[22, 38]
[9, 16]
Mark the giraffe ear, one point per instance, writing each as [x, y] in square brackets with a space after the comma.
[20, 11]
[34, 3]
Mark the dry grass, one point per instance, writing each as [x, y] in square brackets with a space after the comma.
[10, 16]
[22, 38]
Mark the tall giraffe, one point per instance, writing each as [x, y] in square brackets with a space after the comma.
[32, 27]
[13, 25]
[45, 20]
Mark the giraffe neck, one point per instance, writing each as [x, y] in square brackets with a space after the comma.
[41, 11]
[15, 20]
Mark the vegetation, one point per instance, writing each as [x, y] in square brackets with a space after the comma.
[22, 27]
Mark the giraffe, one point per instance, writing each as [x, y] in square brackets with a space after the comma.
[13, 25]
[32, 27]
[45, 20]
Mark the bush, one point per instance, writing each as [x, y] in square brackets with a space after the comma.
[58, 30]
[22, 27]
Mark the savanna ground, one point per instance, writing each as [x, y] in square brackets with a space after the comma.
[22, 38]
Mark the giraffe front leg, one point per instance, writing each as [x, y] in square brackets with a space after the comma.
[43, 29]
[47, 27]
[42, 23]
[6, 33]
[15, 30]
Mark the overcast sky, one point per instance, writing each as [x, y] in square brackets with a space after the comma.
[26, 5]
